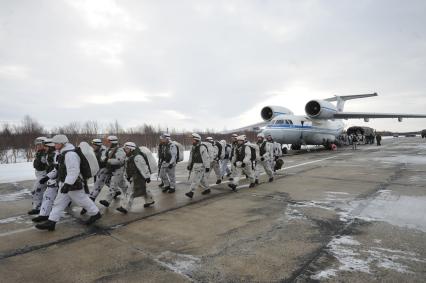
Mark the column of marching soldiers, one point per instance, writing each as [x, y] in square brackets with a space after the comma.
[126, 170]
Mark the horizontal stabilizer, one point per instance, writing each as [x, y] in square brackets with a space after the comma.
[362, 115]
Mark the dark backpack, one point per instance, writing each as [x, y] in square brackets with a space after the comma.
[219, 146]
[227, 151]
[253, 153]
[279, 164]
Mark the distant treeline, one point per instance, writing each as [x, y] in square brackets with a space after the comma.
[15, 138]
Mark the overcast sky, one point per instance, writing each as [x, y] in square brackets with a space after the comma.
[208, 64]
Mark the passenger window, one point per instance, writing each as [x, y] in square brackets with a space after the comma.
[291, 122]
[286, 122]
[278, 122]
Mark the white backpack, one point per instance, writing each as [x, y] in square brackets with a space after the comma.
[210, 150]
[152, 162]
[180, 151]
[88, 152]
[256, 149]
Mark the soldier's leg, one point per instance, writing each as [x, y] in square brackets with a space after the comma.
[80, 198]
[267, 166]
[249, 172]
[37, 195]
[148, 197]
[48, 199]
[227, 170]
[236, 175]
[113, 187]
[257, 170]
[216, 169]
[164, 176]
[196, 177]
[204, 180]
[127, 201]
[101, 178]
[59, 205]
[171, 173]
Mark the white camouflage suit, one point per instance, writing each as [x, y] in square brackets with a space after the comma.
[102, 175]
[169, 155]
[78, 197]
[265, 159]
[224, 168]
[233, 147]
[116, 160]
[51, 192]
[199, 161]
[214, 161]
[242, 163]
[277, 152]
[130, 192]
[39, 189]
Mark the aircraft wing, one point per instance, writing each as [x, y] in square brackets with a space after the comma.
[363, 115]
[251, 128]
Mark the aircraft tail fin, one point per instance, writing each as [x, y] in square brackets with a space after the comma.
[343, 98]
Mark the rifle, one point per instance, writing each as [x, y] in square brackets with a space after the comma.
[190, 171]
[159, 167]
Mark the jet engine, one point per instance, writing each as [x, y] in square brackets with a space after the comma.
[269, 112]
[320, 109]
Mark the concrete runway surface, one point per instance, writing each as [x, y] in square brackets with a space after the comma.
[344, 216]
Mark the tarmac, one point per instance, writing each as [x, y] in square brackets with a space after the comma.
[332, 216]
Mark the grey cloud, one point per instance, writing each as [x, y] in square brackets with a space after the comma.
[216, 59]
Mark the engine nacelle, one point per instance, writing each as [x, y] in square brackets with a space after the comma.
[320, 109]
[269, 112]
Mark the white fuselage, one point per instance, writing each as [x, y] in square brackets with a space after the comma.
[293, 129]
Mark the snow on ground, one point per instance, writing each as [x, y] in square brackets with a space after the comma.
[352, 256]
[16, 172]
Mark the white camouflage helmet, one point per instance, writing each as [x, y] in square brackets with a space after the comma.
[223, 141]
[241, 138]
[48, 142]
[60, 139]
[165, 136]
[113, 139]
[130, 145]
[210, 139]
[40, 140]
[196, 136]
[97, 142]
[261, 135]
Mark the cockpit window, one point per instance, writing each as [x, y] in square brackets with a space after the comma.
[278, 122]
[290, 122]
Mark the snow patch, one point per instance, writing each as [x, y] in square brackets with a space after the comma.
[16, 172]
[21, 194]
[13, 219]
[403, 159]
[294, 214]
[180, 263]
[353, 258]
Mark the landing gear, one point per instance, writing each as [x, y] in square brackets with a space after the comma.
[330, 146]
[296, 146]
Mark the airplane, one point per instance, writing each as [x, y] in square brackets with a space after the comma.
[322, 124]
